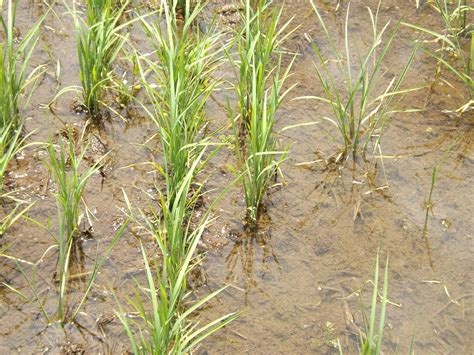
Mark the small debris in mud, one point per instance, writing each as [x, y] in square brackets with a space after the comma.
[78, 107]
[326, 338]
[320, 251]
[87, 234]
[73, 349]
[197, 278]
[97, 153]
[117, 223]
[230, 14]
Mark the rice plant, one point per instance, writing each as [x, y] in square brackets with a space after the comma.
[14, 215]
[455, 16]
[65, 167]
[66, 170]
[169, 326]
[429, 203]
[9, 147]
[15, 59]
[15, 78]
[260, 92]
[178, 80]
[96, 8]
[99, 41]
[66, 312]
[372, 337]
[360, 109]
[260, 38]
[457, 40]
[71, 177]
[371, 342]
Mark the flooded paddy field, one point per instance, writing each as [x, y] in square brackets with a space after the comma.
[300, 277]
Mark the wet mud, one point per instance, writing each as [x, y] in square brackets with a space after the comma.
[300, 277]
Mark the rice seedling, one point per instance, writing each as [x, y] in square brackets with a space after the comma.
[168, 327]
[178, 80]
[71, 178]
[11, 143]
[372, 337]
[99, 41]
[96, 8]
[455, 16]
[182, 82]
[456, 37]
[14, 215]
[65, 167]
[429, 203]
[260, 92]
[9, 147]
[127, 86]
[360, 110]
[371, 343]
[181, 6]
[260, 38]
[15, 78]
[65, 312]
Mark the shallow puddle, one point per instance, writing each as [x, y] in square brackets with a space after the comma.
[297, 279]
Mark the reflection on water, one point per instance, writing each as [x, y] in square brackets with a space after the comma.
[250, 258]
[77, 275]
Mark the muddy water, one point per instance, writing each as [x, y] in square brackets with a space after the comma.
[298, 278]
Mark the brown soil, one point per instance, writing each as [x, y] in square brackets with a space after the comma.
[298, 277]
